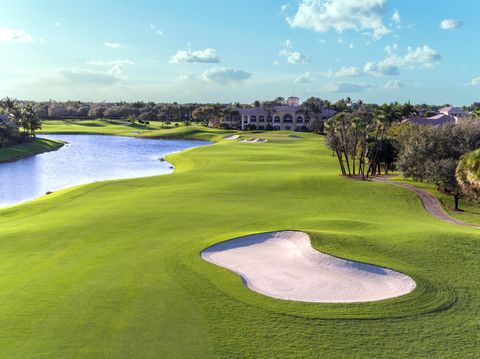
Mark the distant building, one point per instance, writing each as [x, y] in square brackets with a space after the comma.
[453, 111]
[293, 101]
[284, 117]
[5, 120]
[437, 120]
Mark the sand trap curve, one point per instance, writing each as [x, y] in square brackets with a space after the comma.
[231, 137]
[284, 265]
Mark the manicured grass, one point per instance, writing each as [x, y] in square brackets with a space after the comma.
[112, 269]
[40, 145]
[122, 128]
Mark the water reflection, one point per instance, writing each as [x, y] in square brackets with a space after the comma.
[85, 159]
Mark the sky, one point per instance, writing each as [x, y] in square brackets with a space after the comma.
[240, 50]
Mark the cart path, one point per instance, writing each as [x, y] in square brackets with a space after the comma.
[429, 201]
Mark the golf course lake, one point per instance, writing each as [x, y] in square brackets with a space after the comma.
[84, 159]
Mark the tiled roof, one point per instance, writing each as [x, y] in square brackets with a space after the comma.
[436, 120]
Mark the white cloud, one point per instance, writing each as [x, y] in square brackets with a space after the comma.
[224, 75]
[110, 73]
[304, 78]
[200, 56]
[341, 15]
[393, 85]
[284, 7]
[288, 44]
[115, 68]
[383, 68]
[450, 24]
[275, 63]
[421, 57]
[474, 82]
[390, 49]
[15, 36]
[88, 76]
[344, 71]
[396, 18]
[346, 87]
[186, 76]
[294, 57]
[113, 45]
[156, 30]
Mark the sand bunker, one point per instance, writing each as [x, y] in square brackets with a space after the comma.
[231, 137]
[262, 140]
[284, 265]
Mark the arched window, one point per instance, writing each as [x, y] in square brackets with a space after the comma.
[253, 118]
[299, 119]
[261, 119]
[269, 119]
[277, 119]
[287, 118]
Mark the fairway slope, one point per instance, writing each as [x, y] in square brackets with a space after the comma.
[284, 265]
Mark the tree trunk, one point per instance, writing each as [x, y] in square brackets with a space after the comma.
[457, 200]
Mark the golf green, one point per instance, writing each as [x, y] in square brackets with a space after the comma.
[113, 269]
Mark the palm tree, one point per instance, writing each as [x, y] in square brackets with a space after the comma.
[8, 105]
[29, 120]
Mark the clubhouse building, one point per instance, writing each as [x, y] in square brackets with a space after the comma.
[290, 117]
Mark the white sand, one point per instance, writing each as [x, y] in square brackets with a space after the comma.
[284, 265]
[255, 140]
[231, 137]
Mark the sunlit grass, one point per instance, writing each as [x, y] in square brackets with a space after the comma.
[112, 269]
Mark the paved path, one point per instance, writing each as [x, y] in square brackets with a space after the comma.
[429, 201]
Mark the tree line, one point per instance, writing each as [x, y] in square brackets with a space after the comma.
[19, 122]
[367, 143]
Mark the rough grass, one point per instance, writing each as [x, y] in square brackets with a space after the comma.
[40, 145]
[112, 269]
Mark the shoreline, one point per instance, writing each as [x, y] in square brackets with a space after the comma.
[29, 149]
[171, 166]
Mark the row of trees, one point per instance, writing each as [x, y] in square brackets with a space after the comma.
[361, 142]
[21, 124]
[185, 112]
[367, 143]
[434, 155]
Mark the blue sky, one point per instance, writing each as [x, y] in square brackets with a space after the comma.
[241, 50]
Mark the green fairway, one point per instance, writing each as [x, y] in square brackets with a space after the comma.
[112, 269]
[40, 145]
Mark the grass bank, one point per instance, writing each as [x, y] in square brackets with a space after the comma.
[112, 269]
[122, 128]
[40, 145]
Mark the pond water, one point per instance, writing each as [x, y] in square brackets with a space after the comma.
[85, 159]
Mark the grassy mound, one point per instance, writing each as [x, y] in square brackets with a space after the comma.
[112, 269]
[40, 145]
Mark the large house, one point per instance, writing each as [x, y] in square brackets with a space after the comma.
[436, 120]
[283, 117]
[456, 112]
[445, 115]
[6, 120]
